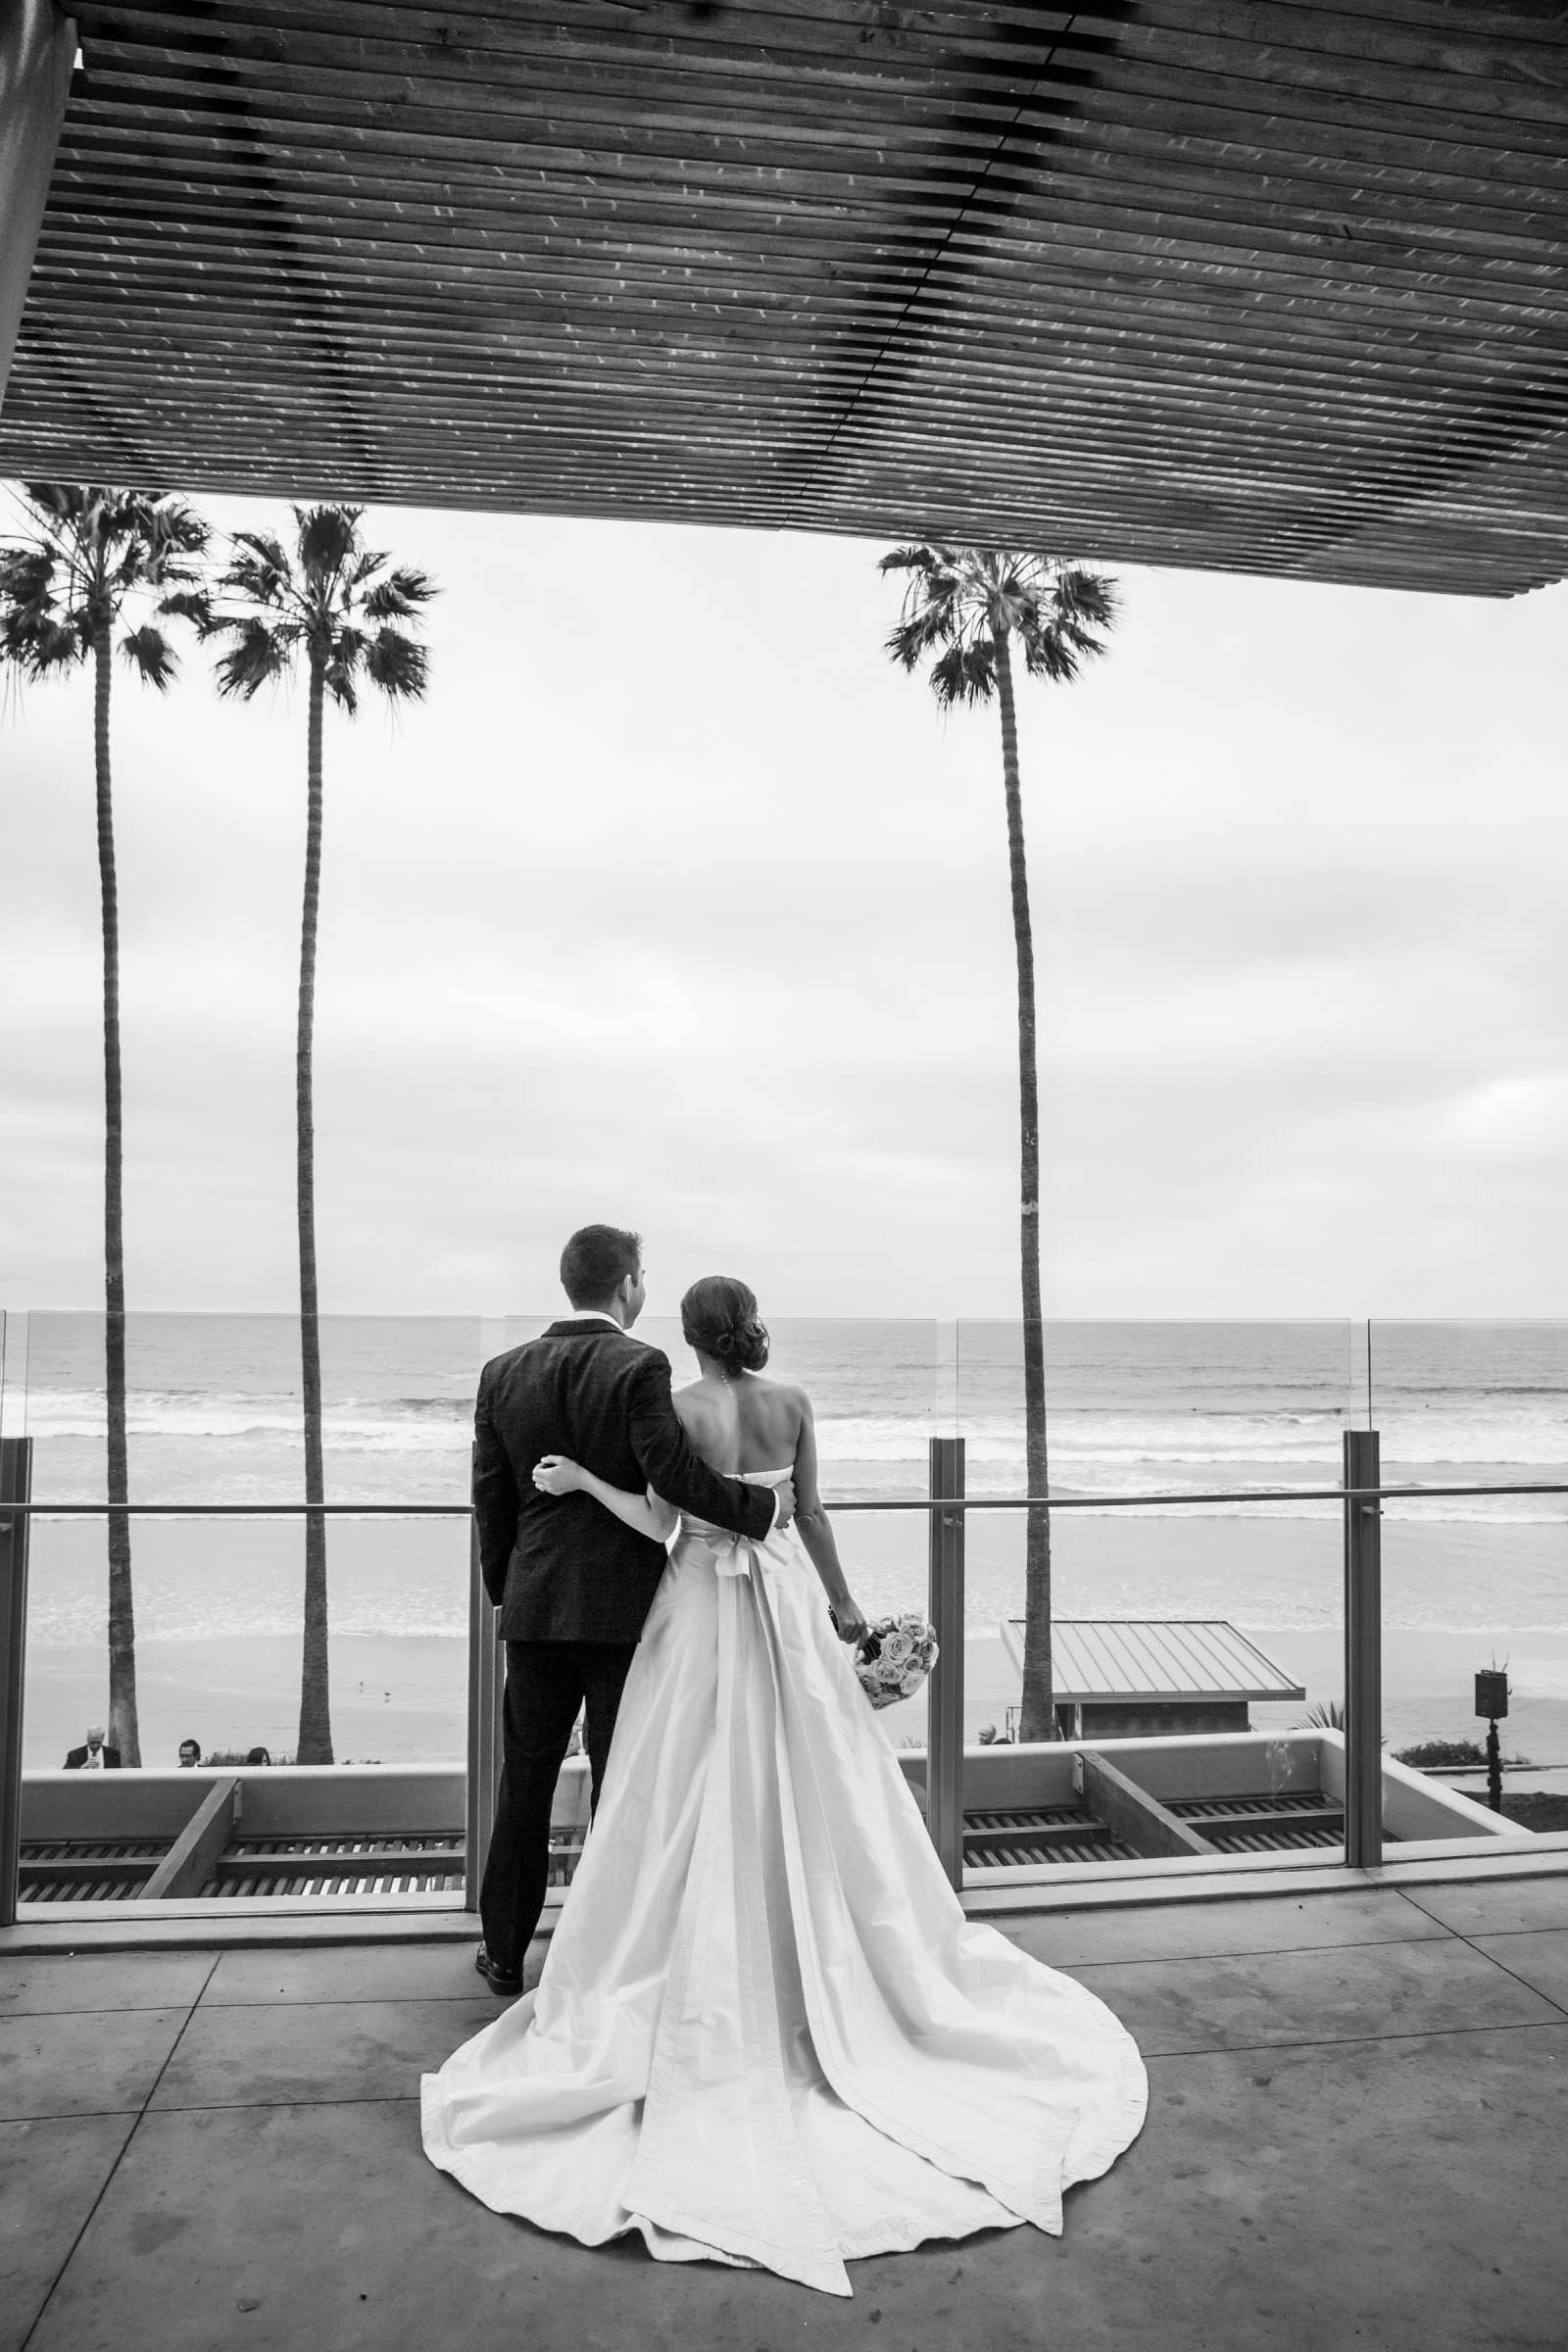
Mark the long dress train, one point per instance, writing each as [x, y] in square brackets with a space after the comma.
[765, 2032]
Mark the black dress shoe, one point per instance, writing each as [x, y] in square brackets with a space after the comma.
[499, 1979]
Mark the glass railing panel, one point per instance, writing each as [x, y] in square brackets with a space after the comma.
[214, 1406]
[218, 1644]
[1174, 1409]
[213, 1417]
[14, 1326]
[873, 1384]
[1470, 1582]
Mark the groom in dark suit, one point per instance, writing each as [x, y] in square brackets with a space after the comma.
[574, 1583]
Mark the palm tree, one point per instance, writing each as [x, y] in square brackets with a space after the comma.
[85, 554]
[337, 602]
[966, 608]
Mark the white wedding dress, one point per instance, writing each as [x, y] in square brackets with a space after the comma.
[766, 2034]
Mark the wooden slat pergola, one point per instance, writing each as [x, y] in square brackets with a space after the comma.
[1267, 286]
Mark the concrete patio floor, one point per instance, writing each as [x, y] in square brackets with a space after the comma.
[1357, 2136]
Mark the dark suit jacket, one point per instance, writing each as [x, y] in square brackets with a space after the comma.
[560, 1567]
[76, 1758]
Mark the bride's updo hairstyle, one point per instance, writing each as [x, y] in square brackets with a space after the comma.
[720, 1316]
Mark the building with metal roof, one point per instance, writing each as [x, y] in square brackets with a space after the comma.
[1117, 1678]
[1277, 289]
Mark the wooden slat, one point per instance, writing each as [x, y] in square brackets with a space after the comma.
[80, 1870]
[313, 1862]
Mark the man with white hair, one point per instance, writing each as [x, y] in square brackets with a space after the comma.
[94, 1756]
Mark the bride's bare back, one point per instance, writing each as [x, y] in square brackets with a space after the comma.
[748, 1424]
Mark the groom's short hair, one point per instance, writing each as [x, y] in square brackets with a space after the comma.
[596, 1261]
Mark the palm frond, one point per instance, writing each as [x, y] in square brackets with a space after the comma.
[398, 665]
[37, 643]
[920, 634]
[179, 529]
[193, 604]
[1087, 598]
[908, 559]
[258, 570]
[258, 656]
[147, 651]
[58, 503]
[348, 645]
[27, 577]
[1048, 653]
[965, 673]
[1068, 623]
[42, 627]
[399, 595]
[347, 652]
[328, 537]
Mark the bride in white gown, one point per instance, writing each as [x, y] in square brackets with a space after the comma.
[765, 2032]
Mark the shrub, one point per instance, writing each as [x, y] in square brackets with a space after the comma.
[1441, 1751]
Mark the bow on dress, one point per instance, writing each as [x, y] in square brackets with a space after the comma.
[726, 1554]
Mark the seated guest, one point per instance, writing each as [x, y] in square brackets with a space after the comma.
[189, 1754]
[257, 1755]
[94, 1757]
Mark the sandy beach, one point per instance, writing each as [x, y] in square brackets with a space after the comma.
[401, 1698]
[396, 1698]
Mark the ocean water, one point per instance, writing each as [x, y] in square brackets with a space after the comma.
[1168, 1408]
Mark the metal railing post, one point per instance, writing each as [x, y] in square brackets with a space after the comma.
[16, 1487]
[486, 1672]
[944, 1778]
[493, 1667]
[475, 1827]
[1364, 1655]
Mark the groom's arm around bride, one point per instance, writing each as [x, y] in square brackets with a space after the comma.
[558, 1567]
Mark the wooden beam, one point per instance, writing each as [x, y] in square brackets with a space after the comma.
[1129, 1812]
[194, 1857]
[36, 48]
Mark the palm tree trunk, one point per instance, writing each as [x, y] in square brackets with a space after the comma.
[1037, 1715]
[315, 1722]
[122, 1729]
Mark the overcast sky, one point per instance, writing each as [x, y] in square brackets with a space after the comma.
[677, 905]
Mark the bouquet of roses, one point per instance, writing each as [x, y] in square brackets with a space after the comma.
[894, 1657]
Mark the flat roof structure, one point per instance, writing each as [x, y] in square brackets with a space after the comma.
[1099, 1661]
[1276, 288]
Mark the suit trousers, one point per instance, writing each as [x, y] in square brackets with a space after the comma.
[547, 1682]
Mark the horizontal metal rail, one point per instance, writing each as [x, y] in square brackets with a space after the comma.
[247, 1511]
[913, 1502]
